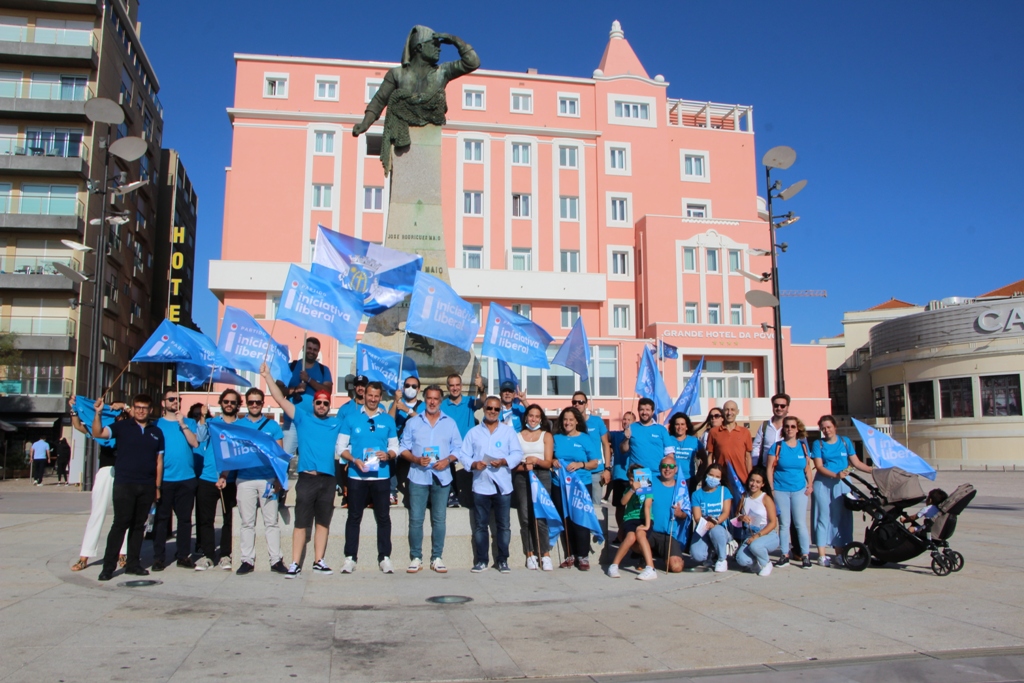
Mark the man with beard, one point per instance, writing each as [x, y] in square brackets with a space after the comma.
[213, 487]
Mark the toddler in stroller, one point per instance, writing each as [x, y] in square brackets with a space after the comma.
[920, 523]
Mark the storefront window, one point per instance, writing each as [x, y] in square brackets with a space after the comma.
[880, 402]
[896, 402]
[957, 397]
[1000, 395]
[922, 401]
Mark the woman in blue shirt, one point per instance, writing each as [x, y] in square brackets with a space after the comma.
[575, 452]
[710, 507]
[833, 456]
[689, 450]
[790, 475]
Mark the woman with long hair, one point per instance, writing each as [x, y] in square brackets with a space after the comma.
[790, 476]
[760, 524]
[689, 451]
[538, 447]
[575, 454]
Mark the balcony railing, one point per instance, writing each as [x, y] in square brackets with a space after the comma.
[51, 327]
[49, 36]
[44, 144]
[713, 115]
[67, 89]
[36, 386]
[42, 205]
[34, 265]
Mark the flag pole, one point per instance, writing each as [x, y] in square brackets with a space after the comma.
[273, 325]
[565, 507]
[401, 361]
[533, 509]
[111, 386]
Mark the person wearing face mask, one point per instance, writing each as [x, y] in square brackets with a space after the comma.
[537, 444]
[214, 487]
[760, 524]
[710, 506]
[405, 406]
[317, 432]
[429, 443]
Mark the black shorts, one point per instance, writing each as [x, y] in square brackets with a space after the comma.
[660, 545]
[630, 526]
[618, 489]
[314, 500]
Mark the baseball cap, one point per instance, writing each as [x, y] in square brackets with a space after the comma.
[322, 395]
[508, 386]
[361, 380]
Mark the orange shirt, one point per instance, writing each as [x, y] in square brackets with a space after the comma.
[731, 447]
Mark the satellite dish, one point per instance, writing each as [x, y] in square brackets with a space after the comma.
[781, 157]
[793, 190]
[77, 246]
[761, 299]
[129, 149]
[131, 187]
[102, 110]
[69, 273]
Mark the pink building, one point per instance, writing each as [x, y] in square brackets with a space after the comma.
[598, 197]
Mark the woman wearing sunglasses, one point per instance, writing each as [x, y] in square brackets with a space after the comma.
[791, 477]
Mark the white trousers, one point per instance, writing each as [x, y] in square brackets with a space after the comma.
[249, 496]
[102, 498]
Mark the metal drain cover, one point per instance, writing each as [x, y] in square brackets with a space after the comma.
[449, 599]
[141, 583]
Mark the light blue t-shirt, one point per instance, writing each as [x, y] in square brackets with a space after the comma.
[619, 459]
[789, 468]
[649, 444]
[710, 502]
[366, 432]
[661, 508]
[267, 425]
[179, 460]
[461, 412]
[834, 456]
[317, 437]
[686, 451]
[579, 448]
[595, 430]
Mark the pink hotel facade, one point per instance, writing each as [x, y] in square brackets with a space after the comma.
[598, 197]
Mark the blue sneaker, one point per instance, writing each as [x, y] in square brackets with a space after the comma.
[479, 567]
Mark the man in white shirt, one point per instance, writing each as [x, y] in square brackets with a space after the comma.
[40, 459]
[770, 432]
[490, 451]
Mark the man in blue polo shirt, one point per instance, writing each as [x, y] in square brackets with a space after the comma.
[316, 432]
[368, 442]
[462, 409]
[137, 479]
[648, 442]
[598, 431]
[429, 443]
[178, 490]
[308, 377]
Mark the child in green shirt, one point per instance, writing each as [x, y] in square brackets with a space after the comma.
[636, 523]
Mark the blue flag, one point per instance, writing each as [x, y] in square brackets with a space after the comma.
[198, 375]
[515, 339]
[382, 366]
[210, 354]
[317, 305]
[436, 311]
[689, 400]
[505, 374]
[544, 508]
[575, 351]
[580, 506]
[667, 351]
[382, 277]
[681, 496]
[887, 452]
[83, 406]
[238, 448]
[649, 383]
[244, 342]
[735, 485]
[168, 344]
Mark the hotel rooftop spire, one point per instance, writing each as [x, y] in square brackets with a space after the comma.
[619, 58]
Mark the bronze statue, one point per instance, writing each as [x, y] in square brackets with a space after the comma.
[414, 92]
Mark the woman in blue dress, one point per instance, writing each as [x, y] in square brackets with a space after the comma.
[689, 451]
[575, 454]
[834, 457]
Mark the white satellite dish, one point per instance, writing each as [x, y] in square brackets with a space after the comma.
[103, 110]
[793, 190]
[760, 299]
[69, 273]
[129, 149]
[780, 157]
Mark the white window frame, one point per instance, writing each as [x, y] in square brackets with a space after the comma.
[569, 208]
[328, 80]
[691, 307]
[525, 208]
[371, 88]
[717, 310]
[516, 149]
[739, 256]
[378, 197]
[707, 259]
[522, 253]
[627, 148]
[267, 76]
[573, 313]
[630, 306]
[614, 249]
[513, 93]
[609, 197]
[652, 110]
[697, 200]
[693, 251]
[569, 150]
[327, 135]
[469, 144]
[472, 195]
[706, 178]
[569, 97]
[321, 200]
[476, 89]
[567, 258]
[525, 310]
[733, 310]
[469, 252]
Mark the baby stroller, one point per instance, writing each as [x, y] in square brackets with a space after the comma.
[887, 539]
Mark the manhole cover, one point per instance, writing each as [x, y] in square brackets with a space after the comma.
[449, 599]
[142, 583]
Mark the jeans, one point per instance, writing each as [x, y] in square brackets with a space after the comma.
[717, 537]
[131, 508]
[833, 523]
[359, 492]
[792, 507]
[438, 496]
[528, 523]
[756, 552]
[250, 496]
[207, 497]
[483, 504]
[178, 497]
[577, 537]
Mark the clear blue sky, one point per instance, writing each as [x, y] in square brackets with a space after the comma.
[908, 117]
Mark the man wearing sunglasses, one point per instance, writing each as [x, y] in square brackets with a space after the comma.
[368, 442]
[213, 487]
[316, 433]
[770, 432]
[598, 431]
[513, 410]
[666, 516]
[178, 490]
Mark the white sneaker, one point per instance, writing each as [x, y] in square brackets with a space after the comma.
[203, 564]
[823, 561]
[225, 563]
[416, 565]
[438, 566]
[613, 571]
[722, 566]
[546, 565]
[765, 570]
[386, 566]
[731, 548]
[648, 574]
[531, 562]
[349, 566]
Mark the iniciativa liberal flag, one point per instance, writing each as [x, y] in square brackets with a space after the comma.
[382, 276]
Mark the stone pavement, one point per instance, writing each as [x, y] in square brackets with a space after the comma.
[796, 624]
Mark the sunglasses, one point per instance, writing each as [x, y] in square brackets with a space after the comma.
[411, 386]
[668, 467]
[319, 403]
[791, 426]
[229, 403]
[716, 417]
[492, 410]
[172, 400]
[780, 405]
[373, 425]
[579, 403]
[254, 403]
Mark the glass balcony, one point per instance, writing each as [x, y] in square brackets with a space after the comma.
[45, 87]
[34, 265]
[67, 145]
[48, 36]
[53, 327]
[38, 204]
[36, 386]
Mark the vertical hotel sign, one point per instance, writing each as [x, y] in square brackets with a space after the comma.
[177, 268]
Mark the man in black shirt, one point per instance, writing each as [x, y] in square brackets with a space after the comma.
[137, 477]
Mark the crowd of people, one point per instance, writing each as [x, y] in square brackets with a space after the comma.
[744, 496]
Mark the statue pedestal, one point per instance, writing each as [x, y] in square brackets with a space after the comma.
[415, 225]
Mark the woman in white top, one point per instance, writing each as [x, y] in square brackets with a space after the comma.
[538, 446]
[760, 524]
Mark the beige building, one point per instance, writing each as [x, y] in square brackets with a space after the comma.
[945, 377]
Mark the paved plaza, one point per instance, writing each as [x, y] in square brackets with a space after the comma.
[817, 624]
